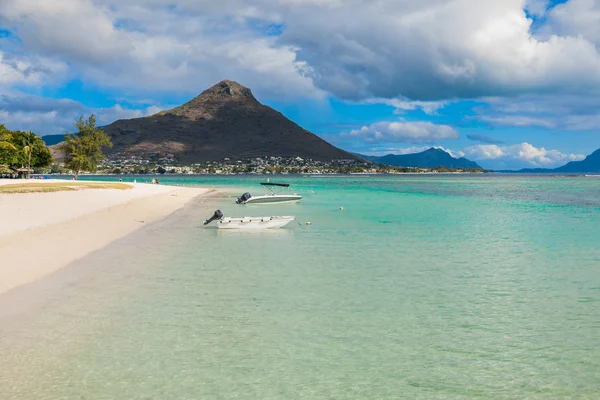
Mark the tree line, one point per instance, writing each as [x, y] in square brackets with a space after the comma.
[82, 150]
[22, 149]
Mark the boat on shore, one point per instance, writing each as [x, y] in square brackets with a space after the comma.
[271, 196]
[271, 222]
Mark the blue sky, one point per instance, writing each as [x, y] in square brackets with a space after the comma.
[507, 83]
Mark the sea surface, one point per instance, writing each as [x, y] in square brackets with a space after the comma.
[402, 287]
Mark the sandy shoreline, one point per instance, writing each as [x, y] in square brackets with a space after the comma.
[43, 232]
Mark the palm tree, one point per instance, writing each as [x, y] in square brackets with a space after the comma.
[7, 150]
[5, 138]
[30, 141]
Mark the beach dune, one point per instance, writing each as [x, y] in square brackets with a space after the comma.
[42, 232]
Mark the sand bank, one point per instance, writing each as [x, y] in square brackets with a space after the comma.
[42, 232]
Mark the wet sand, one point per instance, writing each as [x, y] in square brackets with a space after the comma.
[43, 232]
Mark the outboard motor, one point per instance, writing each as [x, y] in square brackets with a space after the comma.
[243, 198]
[217, 215]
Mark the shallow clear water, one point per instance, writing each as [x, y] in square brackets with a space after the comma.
[421, 288]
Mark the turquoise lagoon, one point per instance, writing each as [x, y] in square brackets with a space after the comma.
[422, 287]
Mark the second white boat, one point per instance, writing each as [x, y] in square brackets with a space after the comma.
[249, 222]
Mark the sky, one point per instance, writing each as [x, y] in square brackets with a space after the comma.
[506, 83]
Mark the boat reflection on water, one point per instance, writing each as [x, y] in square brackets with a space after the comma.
[254, 232]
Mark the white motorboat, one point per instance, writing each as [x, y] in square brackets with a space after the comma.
[249, 222]
[270, 197]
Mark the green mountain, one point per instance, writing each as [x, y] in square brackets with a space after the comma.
[590, 164]
[225, 121]
[431, 158]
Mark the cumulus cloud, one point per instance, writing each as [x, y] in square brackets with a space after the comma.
[404, 131]
[582, 122]
[395, 150]
[26, 103]
[536, 7]
[575, 18]
[116, 112]
[518, 120]
[453, 153]
[382, 151]
[79, 30]
[21, 70]
[46, 116]
[148, 46]
[412, 55]
[492, 155]
[484, 139]
[430, 50]
[572, 112]
[402, 105]
[525, 152]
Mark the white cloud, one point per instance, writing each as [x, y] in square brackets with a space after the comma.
[518, 120]
[575, 18]
[536, 7]
[525, 152]
[431, 50]
[21, 70]
[427, 50]
[116, 112]
[492, 155]
[151, 110]
[46, 116]
[383, 151]
[395, 150]
[18, 102]
[77, 29]
[453, 153]
[41, 123]
[149, 46]
[573, 112]
[583, 122]
[485, 151]
[402, 105]
[484, 139]
[404, 131]
[411, 55]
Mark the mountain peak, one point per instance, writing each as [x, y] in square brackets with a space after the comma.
[227, 88]
[590, 164]
[430, 158]
[208, 104]
[595, 154]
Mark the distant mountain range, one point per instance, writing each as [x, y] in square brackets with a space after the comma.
[225, 121]
[590, 164]
[431, 158]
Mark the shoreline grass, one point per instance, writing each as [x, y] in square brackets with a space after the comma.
[41, 187]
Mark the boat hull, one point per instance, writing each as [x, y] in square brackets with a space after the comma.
[273, 199]
[254, 222]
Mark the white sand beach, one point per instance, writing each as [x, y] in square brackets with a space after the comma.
[42, 232]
